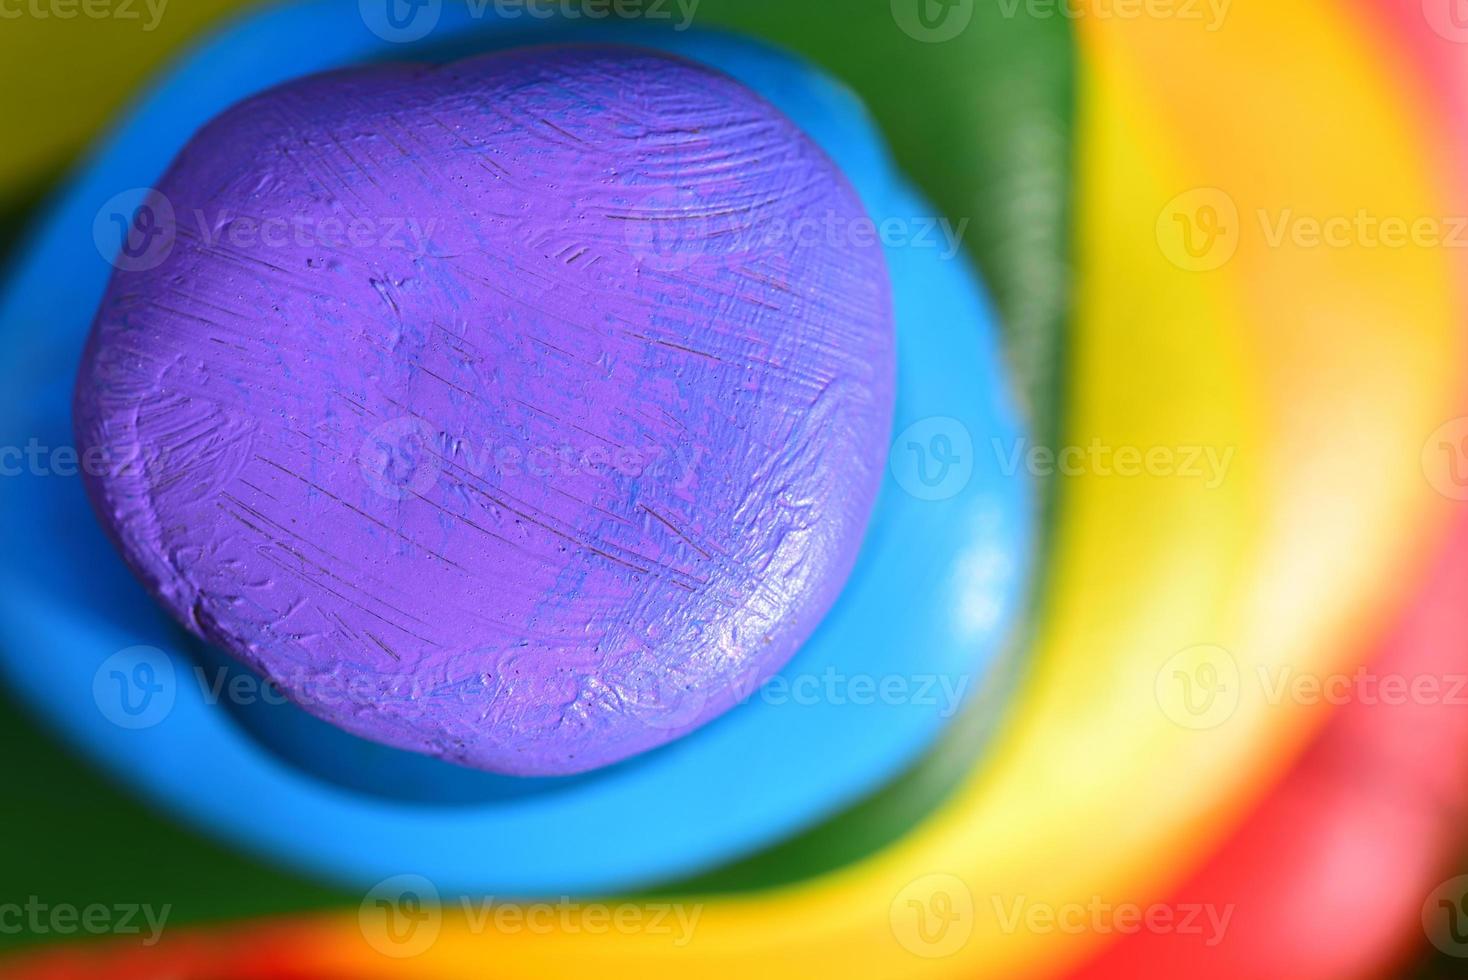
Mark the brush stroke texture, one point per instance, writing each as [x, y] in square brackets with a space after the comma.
[525, 411]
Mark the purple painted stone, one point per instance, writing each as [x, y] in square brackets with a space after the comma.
[526, 412]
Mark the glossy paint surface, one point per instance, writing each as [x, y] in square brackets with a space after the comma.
[526, 411]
